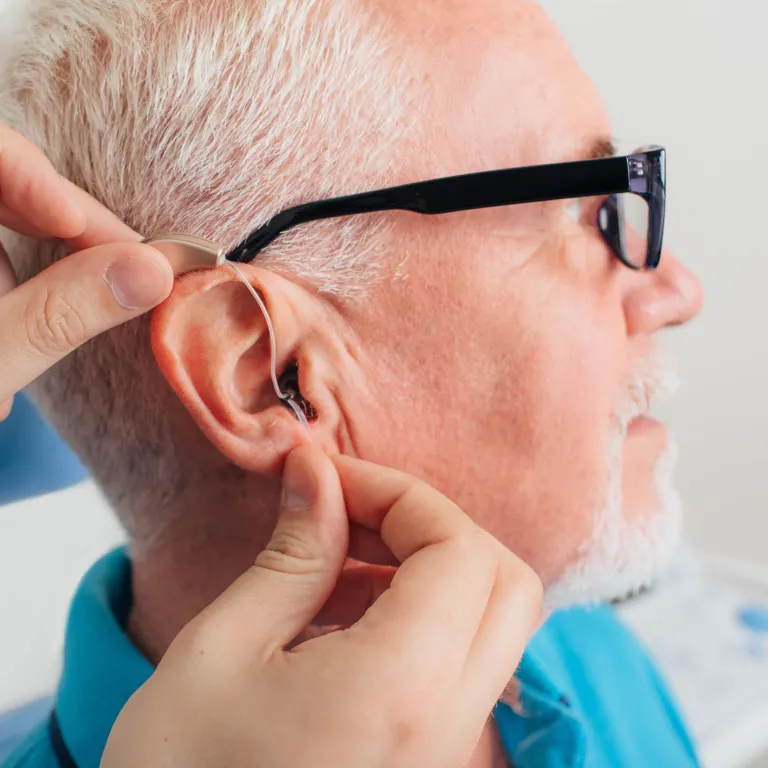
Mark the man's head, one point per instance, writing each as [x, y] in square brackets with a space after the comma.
[502, 355]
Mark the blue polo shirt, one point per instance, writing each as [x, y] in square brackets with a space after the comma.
[588, 694]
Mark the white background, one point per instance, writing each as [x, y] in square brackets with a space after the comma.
[689, 75]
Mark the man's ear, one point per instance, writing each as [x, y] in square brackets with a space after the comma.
[212, 344]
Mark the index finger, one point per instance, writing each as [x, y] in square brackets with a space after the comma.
[430, 615]
[101, 225]
[409, 513]
[31, 188]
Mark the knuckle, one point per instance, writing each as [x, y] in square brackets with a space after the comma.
[420, 493]
[24, 191]
[472, 548]
[411, 719]
[517, 576]
[53, 326]
[289, 552]
[533, 584]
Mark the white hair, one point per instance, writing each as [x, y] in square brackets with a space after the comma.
[211, 118]
[207, 118]
[624, 556]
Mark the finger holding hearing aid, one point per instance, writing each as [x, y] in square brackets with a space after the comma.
[109, 279]
[410, 681]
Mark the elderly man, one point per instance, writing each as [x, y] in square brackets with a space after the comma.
[503, 351]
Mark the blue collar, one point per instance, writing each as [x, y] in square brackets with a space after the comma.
[589, 695]
[102, 668]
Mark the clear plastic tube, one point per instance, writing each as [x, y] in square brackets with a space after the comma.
[286, 398]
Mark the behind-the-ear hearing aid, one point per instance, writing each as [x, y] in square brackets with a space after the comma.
[187, 253]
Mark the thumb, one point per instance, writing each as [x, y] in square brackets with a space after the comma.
[293, 577]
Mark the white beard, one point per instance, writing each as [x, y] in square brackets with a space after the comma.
[621, 557]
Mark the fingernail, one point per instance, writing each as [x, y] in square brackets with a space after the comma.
[299, 486]
[137, 283]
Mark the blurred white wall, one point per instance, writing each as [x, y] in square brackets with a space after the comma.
[693, 75]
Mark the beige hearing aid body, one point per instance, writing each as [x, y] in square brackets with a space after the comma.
[187, 253]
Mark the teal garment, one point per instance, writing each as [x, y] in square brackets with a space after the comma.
[591, 697]
[588, 693]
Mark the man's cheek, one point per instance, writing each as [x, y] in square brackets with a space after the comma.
[578, 379]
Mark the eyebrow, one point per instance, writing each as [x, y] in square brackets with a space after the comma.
[601, 148]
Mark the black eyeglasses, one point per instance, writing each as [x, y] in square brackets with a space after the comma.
[633, 185]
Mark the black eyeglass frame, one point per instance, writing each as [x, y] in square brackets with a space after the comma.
[642, 173]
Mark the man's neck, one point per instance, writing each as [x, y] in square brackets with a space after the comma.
[177, 578]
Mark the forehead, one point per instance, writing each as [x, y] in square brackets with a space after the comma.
[500, 85]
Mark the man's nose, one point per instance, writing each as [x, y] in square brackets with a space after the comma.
[670, 295]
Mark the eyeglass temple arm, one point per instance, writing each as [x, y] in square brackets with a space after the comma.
[457, 193]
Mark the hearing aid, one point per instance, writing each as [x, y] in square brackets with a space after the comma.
[188, 253]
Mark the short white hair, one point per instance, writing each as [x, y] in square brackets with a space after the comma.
[211, 118]
[207, 118]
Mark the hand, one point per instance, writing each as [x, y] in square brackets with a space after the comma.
[107, 283]
[412, 683]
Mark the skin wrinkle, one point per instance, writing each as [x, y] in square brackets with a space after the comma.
[346, 436]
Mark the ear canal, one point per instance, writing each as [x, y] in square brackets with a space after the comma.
[289, 385]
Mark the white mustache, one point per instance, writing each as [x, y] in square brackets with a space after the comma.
[655, 379]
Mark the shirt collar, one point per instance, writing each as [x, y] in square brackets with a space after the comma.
[102, 668]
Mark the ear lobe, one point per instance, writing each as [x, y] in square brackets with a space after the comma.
[211, 342]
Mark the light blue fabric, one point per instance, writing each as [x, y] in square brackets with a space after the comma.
[15, 725]
[591, 697]
[589, 694]
[33, 458]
